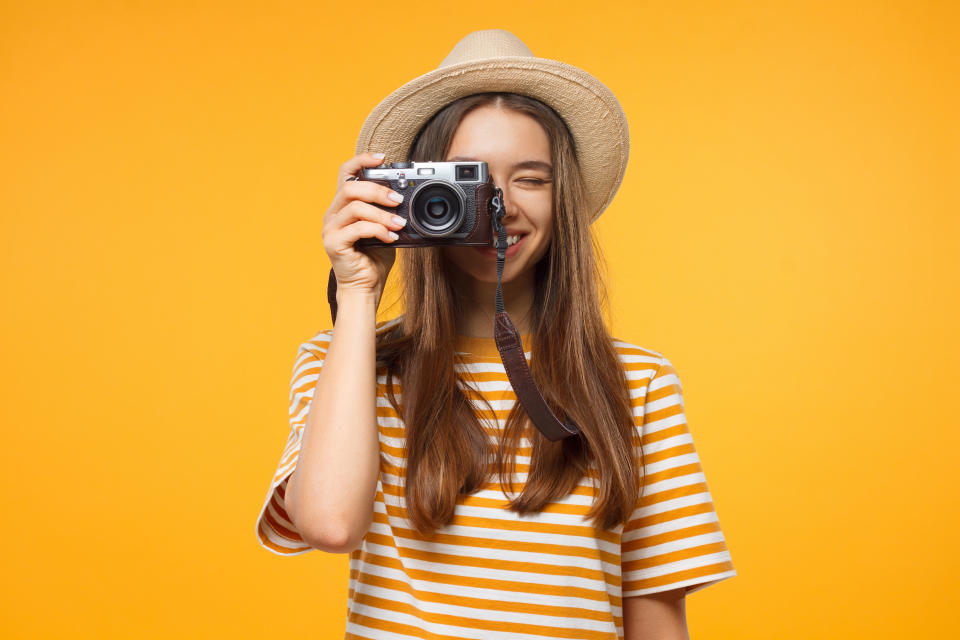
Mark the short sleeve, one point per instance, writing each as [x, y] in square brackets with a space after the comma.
[274, 530]
[673, 538]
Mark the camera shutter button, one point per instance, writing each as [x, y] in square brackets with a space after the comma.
[401, 165]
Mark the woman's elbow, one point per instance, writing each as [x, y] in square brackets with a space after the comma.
[333, 537]
[335, 541]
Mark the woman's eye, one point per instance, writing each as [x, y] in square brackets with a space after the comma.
[534, 181]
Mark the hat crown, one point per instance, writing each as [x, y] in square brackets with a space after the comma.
[496, 61]
[485, 44]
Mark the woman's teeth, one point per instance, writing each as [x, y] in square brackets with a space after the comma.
[511, 240]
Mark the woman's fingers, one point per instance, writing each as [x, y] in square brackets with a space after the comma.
[366, 191]
[360, 210]
[346, 237]
[352, 166]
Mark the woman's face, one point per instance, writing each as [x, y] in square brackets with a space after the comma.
[517, 152]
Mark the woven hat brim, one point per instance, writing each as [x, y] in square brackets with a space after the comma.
[591, 111]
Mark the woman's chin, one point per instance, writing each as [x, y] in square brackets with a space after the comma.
[482, 269]
[488, 274]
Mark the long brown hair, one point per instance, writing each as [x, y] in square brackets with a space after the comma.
[573, 361]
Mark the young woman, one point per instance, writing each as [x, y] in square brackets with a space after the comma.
[408, 449]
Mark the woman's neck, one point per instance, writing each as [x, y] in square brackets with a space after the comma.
[480, 304]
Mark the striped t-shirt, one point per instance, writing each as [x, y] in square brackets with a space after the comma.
[492, 573]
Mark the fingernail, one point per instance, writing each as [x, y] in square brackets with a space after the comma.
[379, 156]
[399, 220]
[393, 236]
[396, 197]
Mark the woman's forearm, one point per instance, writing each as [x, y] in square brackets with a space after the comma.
[331, 493]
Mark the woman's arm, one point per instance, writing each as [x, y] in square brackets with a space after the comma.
[659, 616]
[331, 492]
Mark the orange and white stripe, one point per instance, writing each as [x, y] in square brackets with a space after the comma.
[492, 573]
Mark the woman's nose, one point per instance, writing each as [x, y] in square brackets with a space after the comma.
[509, 210]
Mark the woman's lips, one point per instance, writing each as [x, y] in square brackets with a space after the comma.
[491, 252]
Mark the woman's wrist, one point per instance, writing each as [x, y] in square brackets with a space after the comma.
[357, 296]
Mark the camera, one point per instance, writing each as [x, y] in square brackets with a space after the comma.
[445, 203]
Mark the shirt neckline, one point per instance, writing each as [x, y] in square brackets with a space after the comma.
[486, 346]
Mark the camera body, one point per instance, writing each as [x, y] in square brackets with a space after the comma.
[445, 203]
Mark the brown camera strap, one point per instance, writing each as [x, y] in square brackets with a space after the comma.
[508, 342]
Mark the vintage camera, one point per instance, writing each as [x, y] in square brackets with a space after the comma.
[445, 203]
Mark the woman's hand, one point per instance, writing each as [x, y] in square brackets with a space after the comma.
[351, 216]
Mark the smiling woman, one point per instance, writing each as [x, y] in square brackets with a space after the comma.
[533, 175]
[461, 519]
[516, 148]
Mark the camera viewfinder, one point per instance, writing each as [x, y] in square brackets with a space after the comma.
[466, 172]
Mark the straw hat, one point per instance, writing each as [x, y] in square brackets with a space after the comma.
[496, 60]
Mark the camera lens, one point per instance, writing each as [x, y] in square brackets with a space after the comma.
[437, 209]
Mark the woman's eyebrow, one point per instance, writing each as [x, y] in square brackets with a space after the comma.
[526, 164]
[537, 165]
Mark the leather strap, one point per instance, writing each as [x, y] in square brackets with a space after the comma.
[508, 342]
[515, 362]
[332, 295]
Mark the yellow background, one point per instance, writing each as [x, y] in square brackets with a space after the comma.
[787, 234]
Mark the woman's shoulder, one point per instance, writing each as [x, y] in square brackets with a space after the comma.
[321, 339]
[386, 325]
[636, 355]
